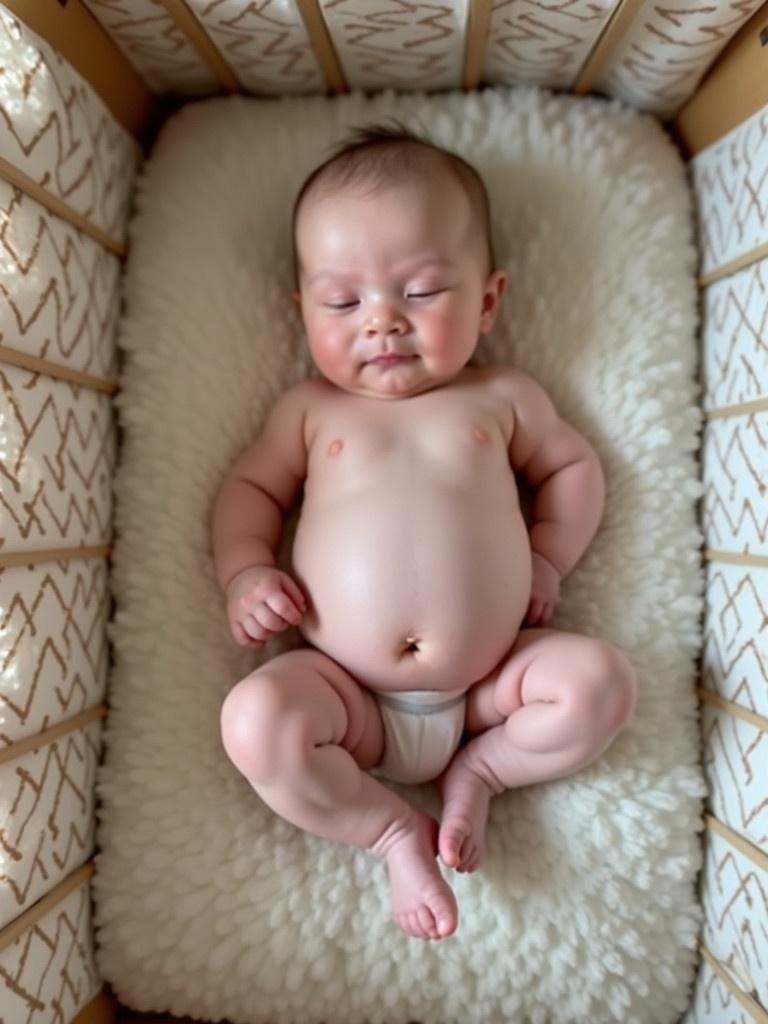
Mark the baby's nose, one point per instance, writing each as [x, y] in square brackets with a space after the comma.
[385, 322]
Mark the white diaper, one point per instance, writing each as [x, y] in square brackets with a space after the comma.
[422, 730]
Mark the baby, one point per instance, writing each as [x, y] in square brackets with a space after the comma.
[413, 569]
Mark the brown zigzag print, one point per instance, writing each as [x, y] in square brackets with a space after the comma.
[729, 782]
[54, 835]
[80, 284]
[75, 149]
[735, 901]
[69, 611]
[68, 977]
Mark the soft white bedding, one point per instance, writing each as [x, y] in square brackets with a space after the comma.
[585, 912]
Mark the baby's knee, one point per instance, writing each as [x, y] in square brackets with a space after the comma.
[607, 694]
[623, 688]
[261, 727]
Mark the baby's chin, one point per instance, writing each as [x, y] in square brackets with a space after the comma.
[394, 383]
[395, 391]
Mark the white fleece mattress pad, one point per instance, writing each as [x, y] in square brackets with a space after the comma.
[585, 909]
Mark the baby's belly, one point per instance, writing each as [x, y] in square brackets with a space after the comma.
[424, 593]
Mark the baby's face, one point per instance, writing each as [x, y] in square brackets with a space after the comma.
[394, 290]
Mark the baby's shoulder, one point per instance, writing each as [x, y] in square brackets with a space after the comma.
[305, 390]
[300, 397]
[300, 409]
[511, 384]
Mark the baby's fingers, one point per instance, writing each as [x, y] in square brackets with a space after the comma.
[267, 619]
[294, 592]
[242, 638]
[253, 628]
[534, 613]
[282, 605]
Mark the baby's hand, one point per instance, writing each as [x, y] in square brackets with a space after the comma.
[545, 590]
[263, 601]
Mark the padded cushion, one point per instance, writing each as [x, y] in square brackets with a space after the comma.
[585, 910]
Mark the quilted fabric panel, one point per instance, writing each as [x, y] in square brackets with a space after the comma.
[59, 289]
[60, 450]
[266, 45]
[659, 62]
[405, 45]
[735, 657]
[390, 44]
[542, 41]
[735, 754]
[48, 974]
[53, 643]
[57, 131]
[47, 799]
[155, 45]
[730, 179]
[735, 336]
[735, 470]
[735, 892]
[713, 1002]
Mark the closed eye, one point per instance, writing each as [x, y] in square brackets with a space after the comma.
[425, 294]
[341, 305]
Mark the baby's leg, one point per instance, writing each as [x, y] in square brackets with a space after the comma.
[549, 709]
[302, 731]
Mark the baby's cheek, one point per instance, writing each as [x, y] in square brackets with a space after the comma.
[439, 328]
[451, 334]
[329, 351]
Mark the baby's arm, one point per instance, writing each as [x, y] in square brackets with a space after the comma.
[569, 489]
[247, 523]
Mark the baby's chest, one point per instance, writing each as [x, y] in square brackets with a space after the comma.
[457, 443]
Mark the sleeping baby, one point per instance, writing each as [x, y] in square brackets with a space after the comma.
[422, 593]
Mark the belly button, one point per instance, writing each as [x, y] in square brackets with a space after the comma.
[334, 448]
[480, 435]
[411, 646]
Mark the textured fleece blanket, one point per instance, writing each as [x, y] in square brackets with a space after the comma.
[585, 910]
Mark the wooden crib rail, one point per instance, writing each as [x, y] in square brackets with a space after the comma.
[12, 932]
[15, 176]
[624, 14]
[734, 88]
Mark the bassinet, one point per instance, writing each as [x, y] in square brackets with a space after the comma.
[111, 72]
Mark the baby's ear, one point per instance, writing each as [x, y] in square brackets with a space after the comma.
[495, 286]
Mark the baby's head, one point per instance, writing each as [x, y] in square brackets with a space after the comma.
[394, 264]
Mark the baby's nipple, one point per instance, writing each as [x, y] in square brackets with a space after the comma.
[334, 448]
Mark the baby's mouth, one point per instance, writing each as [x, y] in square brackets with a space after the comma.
[391, 359]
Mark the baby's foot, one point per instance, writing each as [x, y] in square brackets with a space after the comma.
[465, 811]
[422, 903]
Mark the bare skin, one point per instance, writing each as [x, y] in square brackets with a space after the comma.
[413, 568]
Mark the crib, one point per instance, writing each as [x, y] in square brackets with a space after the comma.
[112, 72]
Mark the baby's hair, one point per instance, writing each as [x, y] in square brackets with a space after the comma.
[384, 154]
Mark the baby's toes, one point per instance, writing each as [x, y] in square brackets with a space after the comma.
[466, 855]
[411, 925]
[471, 856]
[451, 841]
[427, 922]
[475, 862]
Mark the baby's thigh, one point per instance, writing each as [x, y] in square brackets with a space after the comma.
[296, 701]
[493, 699]
[549, 666]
